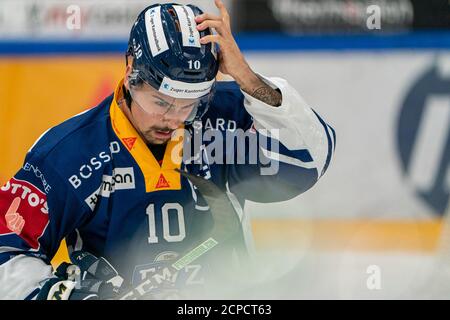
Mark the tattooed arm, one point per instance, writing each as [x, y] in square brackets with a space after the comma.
[258, 89]
[232, 61]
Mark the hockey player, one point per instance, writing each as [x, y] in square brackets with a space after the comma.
[108, 180]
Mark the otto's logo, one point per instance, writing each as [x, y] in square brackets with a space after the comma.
[26, 191]
[23, 211]
[423, 138]
[94, 164]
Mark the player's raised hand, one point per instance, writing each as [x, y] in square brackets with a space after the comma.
[231, 59]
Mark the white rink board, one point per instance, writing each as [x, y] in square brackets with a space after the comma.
[100, 19]
[347, 275]
[360, 94]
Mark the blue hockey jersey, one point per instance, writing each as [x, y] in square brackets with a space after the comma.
[93, 181]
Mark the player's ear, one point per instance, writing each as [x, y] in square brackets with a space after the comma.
[128, 70]
[126, 81]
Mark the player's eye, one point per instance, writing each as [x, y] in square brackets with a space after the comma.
[161, 104]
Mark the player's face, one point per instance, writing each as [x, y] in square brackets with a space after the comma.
[156, 116]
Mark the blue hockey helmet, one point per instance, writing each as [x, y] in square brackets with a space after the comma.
[168, 55]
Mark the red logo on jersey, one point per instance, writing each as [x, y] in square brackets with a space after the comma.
[129, 142]
[23, 211]
[162, 182]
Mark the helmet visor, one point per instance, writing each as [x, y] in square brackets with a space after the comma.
[157, 103]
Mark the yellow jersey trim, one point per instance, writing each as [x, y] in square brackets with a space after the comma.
[156, 177]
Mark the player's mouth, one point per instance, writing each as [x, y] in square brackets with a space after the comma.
[163, 134]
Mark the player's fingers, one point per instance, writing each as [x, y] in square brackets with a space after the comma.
[223, 10]
[218, 25]
[13, 207]
[211, 38]
[206, 16]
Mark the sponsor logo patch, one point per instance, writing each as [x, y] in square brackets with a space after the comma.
[184, 90]
[23, 211]
[32, 168]
[162, 182]
[87, 170]
[122, 179]
[129, 142]
[190, 34]
[155, 32]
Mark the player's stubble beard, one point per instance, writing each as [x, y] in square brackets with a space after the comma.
[150, 138]
[147, 134]
[150, 134]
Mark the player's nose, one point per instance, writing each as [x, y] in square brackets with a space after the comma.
[173, 122]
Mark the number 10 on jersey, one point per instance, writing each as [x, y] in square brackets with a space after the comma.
[172, 208]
